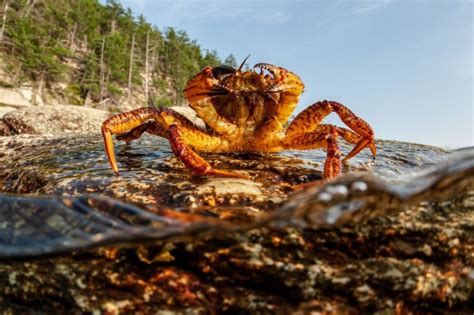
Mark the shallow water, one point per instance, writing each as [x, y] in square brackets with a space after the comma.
[70, 163]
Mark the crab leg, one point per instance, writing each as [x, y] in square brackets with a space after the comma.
[168, 124]
[150, 126]
[131, 121]
[190, 158]
[317, 139]
[347, 134]
[309, 119]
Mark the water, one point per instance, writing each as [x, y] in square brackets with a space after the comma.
[83, 204]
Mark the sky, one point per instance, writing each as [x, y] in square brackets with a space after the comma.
[405, 66]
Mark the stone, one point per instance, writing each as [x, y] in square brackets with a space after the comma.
[15, 97]
[189, 113]
[409, 250]
[6, 109]
[56, 119]
[59, 119]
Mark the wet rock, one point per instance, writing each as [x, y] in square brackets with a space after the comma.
[412, 252]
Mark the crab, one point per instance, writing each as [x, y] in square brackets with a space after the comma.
[244, 111]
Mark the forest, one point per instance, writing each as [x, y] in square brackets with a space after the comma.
[90, 53]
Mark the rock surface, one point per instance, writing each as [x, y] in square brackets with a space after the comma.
[54, 119]
[188, 112]
[415, 259]
[60, 119]
[19, 97]
[6, 109]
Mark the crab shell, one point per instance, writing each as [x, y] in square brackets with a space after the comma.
[247, 99]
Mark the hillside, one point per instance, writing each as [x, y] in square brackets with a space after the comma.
[84, 53]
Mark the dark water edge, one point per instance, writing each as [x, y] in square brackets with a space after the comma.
[391, 235]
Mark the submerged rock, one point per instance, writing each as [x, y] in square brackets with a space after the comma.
[401, 242]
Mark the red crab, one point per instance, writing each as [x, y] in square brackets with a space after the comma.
[244, 111]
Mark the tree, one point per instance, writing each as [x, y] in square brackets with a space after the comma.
[130, 69]
[230, 61]
[4, 18]
[98, 50]
[210, 59]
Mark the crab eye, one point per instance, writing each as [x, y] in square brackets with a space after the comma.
[223, 71]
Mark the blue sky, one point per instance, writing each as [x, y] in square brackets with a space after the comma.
[406, 66]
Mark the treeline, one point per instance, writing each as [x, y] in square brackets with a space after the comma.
[98, 53]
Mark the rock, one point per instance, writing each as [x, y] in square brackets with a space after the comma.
[54, 119]
[5, 129]
[6, 109]
[59, 119]
[189, 113]
[19, 97]
[417, 257]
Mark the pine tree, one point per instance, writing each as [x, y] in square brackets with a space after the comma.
[89, 46]
[231, 61]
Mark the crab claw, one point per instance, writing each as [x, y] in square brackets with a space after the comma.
[266, 66]
[222, 71]
[205, 84]
[283, 80]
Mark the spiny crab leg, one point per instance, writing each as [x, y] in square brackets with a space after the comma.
[127, 124]
[348, 135]
[309, 119]
[150, 126]
[315, 140]
[332, 166]
[170, 125]
[118, 124]
[192, 160]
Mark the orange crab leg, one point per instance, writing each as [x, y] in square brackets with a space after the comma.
[129, 125]
[191, 159]
[171, 125]
[347, 134]
[309, 119]
[150, 126]
[318, 139]
[332, 167]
